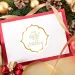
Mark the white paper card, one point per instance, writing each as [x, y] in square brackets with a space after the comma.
[33, 38]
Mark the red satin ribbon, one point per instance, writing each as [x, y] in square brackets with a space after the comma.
[17, 70]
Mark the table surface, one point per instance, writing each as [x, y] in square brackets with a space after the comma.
[65, 66]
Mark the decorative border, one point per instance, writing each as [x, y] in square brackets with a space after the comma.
[31, 16]
[26, 30]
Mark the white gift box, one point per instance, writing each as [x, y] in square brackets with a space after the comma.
[31, 38]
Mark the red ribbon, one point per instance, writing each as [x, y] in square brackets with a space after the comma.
[17, 70]
[5, 70]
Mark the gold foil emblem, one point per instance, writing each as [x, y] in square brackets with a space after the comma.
[34, 38]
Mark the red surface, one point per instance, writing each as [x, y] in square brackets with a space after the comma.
[25, 17]
[72, 47]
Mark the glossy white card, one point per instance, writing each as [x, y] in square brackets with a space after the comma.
[33, 38]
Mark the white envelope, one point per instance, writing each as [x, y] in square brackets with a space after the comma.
[33, 37]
